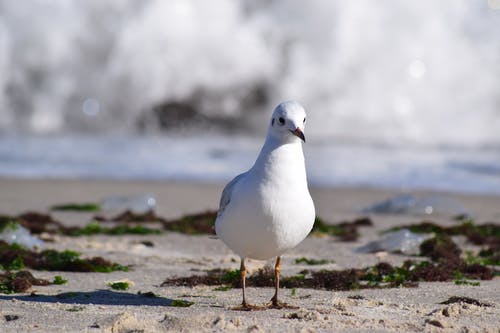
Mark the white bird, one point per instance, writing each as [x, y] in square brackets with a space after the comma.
[268, 210]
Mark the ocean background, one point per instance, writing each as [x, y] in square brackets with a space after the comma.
[402, 95]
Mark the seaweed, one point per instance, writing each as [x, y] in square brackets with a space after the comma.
[147, 294]
[461, 280]
[181, 303]
[262, 278]
[78, 207]
[223, 288]
[478, 234]
[18, 282]
[231, 276]
[212, 278]
[75, 308]
[440, 247]
[466, 300]
[346, 231]
[35, 222]
[308, 261]
[382, 275]
[38, 223]
[265, 278]
[11, 317]
[8, 222]
[129, 216]
[58, 279]
[53, 260]
[489, 256]
[193, 224]
[434, 322]
[119, 285]
[16, 264]
[486, 235]
[95, 228]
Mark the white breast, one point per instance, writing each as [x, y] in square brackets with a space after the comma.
[271, 210]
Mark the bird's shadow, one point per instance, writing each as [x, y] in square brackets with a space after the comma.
[101, 296]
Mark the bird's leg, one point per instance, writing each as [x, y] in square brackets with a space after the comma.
[244, 305]
[243, 272]
[277, 269]
[275, 303]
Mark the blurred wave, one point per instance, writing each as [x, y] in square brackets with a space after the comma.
[210, 158]
[420, 72]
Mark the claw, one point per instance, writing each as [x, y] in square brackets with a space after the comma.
[275, 304]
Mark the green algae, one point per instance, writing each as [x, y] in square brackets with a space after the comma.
[53, 260]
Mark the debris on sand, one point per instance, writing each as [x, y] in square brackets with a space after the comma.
[95, 228]
[15, 256]
[77, 207]
[11, 231]
[193, 224]
[37, 223]
[445, 264]
[486, 235]
[466, 300]
[401, 241]
[312, 262]
[18, 282]
[346, 231]
[121, 284]
[129, 216]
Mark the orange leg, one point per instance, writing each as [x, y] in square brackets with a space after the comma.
[277, 270]
[243, 272]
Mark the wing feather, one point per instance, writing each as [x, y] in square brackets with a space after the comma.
[226, 193]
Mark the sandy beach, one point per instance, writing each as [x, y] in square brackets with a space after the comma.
[87, 304]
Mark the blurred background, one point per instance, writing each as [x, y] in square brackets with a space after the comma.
[401, 95]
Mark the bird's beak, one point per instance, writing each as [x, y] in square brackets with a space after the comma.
[298, 133]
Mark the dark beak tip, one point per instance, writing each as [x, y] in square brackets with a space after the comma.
[298, 133]
[302, 137]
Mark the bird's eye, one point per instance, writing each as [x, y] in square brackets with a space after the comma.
[281, 120]
[304, 120]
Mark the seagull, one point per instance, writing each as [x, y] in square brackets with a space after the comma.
[268, 210]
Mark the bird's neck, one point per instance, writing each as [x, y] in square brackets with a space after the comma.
[278, 159]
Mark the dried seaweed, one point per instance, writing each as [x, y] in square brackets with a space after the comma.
[17, 282]
[191, 224]
[53, 260]
[194, 224]
[478, 234]
[119, 285]
[467, 300]
[130, 217]
[38, 223]
[312, 262]
[77, 207]
[445, 265]
[35, 222]
[95, 228]
[346, 231]
[486, 235]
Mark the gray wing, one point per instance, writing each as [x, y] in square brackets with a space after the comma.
[226, 193]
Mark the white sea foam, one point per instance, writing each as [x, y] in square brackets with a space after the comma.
[419, 72]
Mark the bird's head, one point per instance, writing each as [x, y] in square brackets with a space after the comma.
[288, 121]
